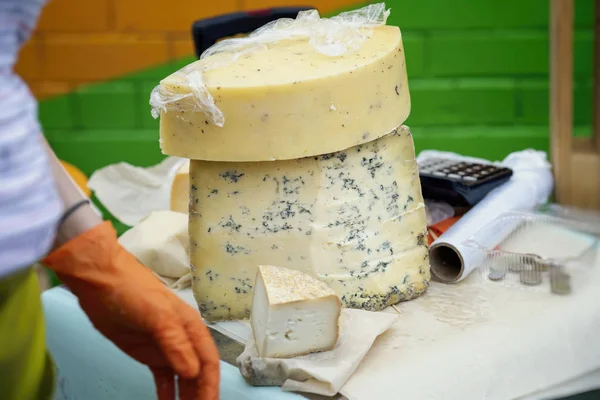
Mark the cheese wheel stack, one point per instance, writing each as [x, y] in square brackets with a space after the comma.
[312, 170]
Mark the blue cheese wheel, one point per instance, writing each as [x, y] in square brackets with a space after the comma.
[354, 219]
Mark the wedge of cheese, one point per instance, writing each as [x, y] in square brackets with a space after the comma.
[293, 314]
[180, 190]
[354, 219]
[288, 101]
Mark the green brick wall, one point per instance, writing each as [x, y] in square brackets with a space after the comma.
[479, 72]
[478, 75]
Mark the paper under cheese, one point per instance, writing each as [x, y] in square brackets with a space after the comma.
[355, 219]
[180, 190]
[289, 101]
[293, 314]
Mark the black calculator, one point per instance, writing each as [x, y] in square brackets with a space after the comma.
[460, 183]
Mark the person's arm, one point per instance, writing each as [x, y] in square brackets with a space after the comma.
[83, 218]
[127, 303]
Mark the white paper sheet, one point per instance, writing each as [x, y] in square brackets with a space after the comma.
[320, 373]
[131, 193]
[481, 340]
[530, 186]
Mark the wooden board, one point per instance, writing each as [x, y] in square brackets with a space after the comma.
[576, 162]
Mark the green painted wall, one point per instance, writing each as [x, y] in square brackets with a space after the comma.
[478, 74]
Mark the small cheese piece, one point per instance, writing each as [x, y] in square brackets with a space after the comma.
[293, 314]
[278, 103]
[354, 219]
[180, 190]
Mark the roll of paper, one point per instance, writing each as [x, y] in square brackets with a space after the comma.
[529, 187]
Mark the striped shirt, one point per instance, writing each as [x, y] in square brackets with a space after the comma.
[29, 204]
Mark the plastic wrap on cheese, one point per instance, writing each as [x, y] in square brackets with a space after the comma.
[332, 37]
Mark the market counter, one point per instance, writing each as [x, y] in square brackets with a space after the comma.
[471, 340]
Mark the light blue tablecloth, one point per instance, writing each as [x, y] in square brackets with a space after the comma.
[91, 368]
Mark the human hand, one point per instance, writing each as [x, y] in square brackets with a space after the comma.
[132, 308]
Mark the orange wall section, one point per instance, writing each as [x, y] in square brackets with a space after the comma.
[78, 42]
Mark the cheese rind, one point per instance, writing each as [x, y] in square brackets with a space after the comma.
[354, 219]
[315, 104]
[293, 314]
[285, 285]
[180, 190]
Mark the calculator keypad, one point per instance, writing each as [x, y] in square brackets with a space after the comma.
[465, 172]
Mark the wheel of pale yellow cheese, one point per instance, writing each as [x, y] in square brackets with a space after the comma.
[289, 101]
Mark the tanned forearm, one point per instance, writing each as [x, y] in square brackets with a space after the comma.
[85, 217]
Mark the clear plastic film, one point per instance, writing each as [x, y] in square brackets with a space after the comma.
[437, 211]
[538, 251]
[333, 37]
